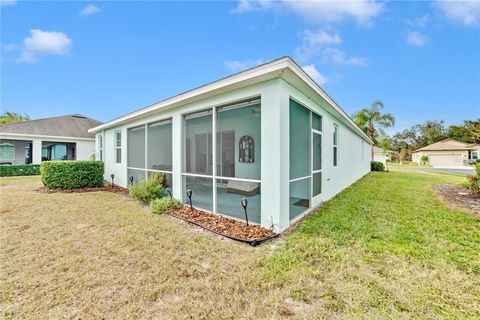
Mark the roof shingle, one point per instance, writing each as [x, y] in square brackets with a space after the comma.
[74, 125]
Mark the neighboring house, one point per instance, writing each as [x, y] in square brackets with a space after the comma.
[58, 138]
[269, 134]
[381, 155]
[448, 152]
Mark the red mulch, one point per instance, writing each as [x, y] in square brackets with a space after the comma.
[114, 189]
[221, 224]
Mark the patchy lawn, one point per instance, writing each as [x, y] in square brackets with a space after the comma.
[384, 248]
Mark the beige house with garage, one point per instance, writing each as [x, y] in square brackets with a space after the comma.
[381, 155]
[449, 153]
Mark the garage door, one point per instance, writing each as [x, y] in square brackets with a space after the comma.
[445, 159]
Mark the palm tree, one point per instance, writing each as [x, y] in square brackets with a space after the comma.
[12, 117]
[373, 122]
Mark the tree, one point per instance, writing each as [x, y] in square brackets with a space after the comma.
[468, 132]
[12, 117]
[373, 122]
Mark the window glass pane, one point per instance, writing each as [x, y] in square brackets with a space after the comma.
[299, 141]
[316, 122]
[230, 194]
[118, 152]
[59, 152]
[335, 135]
[7, 151]
[202, 192]
[118, 139]
[198, 143]
[335, 156]
[136, 147]
[317, 151]
[317, 183]
[239, 142]
[299, 197]
[160, 145]
[137, 175]
[100, 141]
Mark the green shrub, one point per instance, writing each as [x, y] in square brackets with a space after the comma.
[376, 166]
[71, 174]
[477, 168]
[148, 189]
[473, 182]
[164, 204]
[424, 159]
[9, 170]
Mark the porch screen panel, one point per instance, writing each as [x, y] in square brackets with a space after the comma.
[230, 194]
[197, 147]
[299, 141]
[136, 147]
[159, 146]
[138, 175]
[299, 197]
[239, 141]
[202, 192]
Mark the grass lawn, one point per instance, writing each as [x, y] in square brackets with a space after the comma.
[385, 248]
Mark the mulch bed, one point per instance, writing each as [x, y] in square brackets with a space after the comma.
[114, 189]
[221, 224]
[460, 197]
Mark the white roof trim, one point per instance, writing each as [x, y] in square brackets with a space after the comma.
[43, 137]
[276, 65]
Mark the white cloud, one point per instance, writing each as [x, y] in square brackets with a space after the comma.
[312, 42]
[236, 65]
[465, 12]
[419, 22]
[417, 39]
[320, 11]
[312, 71]
[44, 42]
[336, 56]
[8, 2]
[89, 10]
[9, 47]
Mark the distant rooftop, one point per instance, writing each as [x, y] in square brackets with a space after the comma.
[73, 125]
[380, 150]
[447, 144]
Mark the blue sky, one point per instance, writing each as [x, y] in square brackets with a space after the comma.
[105, 59]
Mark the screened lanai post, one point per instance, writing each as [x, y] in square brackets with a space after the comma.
[274, 154]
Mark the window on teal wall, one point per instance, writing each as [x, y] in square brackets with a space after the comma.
[335, 146]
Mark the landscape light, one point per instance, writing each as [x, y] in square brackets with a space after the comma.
[131, 180]
[112, 176]
[189, 195]
[244, 205]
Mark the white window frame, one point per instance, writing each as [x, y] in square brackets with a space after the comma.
[336, 135]
[12, 144]
[471, 153]
[115, 133]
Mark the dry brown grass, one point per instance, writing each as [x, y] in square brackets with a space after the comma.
[100, 255]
